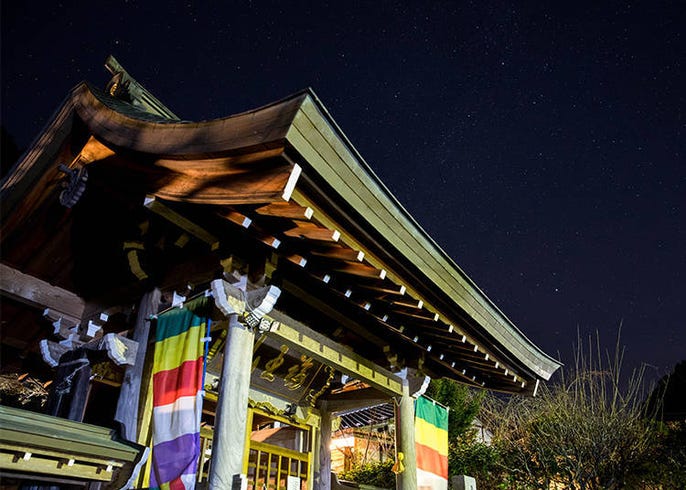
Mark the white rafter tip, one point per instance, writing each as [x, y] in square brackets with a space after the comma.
[463, 339]
[360, 256]
[348, 292]
[464, 371]
[326, 278]
[292, 180]
[382, 274]
[246, 222]
[336, 235]
[436, 317]
[428, 348]
[476, 348]
[452, 364]
[523, 384]
[415, 339]
[486, 357]
[275, 243]
[309, 212]
[367, 306]
[71, 462]
[497, 365]
[384, 318]
[402, 290]
[450, 329]
[441, 356]
[27, 456]
[506, 372]
[420, 304]
[514, 378]
[104, 317]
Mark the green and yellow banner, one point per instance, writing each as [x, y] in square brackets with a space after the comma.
[431, 439]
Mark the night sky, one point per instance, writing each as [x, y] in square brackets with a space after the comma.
[543, 146]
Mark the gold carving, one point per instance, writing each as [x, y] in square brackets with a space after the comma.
[274, 364]
[312, 395]
[298, 373]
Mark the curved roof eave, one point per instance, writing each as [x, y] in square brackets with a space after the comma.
[356, 182]
[345, 171]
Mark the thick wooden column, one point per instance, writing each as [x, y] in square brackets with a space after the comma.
[130, 394]
[322, 480]
[407, 479]
[228, 446]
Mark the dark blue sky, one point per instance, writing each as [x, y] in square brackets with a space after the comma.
[543, 146]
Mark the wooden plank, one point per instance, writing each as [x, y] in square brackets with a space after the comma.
[360, 270]
[48, 466]
[38, 293]
[338, 253]
[313, 232]
[287, 210]
[161, 209]
[235, 217]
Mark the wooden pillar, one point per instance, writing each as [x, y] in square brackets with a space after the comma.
[230, 426]
[322, 479]
[404, 427]
[130, 394]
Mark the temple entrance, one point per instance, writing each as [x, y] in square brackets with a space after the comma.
[280, 453]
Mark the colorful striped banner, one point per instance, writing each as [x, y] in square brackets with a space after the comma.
[177, 397]
[431, 441]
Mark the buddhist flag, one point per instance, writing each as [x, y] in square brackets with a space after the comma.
[431, 439]
[177, 398]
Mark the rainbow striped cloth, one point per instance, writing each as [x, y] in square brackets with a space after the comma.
[431, 441]
[178, 370]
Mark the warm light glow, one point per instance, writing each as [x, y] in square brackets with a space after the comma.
[343, 442]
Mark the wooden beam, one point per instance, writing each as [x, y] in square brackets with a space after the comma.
[35, 292]
[161, 209]
[235, 217]
[313, 232]
[331, 353]
[288, 210]
[360, 270]
[338, 253]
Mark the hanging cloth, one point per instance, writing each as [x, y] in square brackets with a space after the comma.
[177, 395]
[431, 442]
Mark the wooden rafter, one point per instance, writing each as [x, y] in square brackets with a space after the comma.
[287, 210]
[158, 207]
[313, 232]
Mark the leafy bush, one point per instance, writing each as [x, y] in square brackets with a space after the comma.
[375, 473]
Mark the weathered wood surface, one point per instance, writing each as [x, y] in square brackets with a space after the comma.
[132, 391]
[404, 423]
[261, 128]
[326, 351]
[312, 232]
[53, 442]
[231, 420]
[322, 480]
[286, 210]
[38, 293]
[161, 209]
